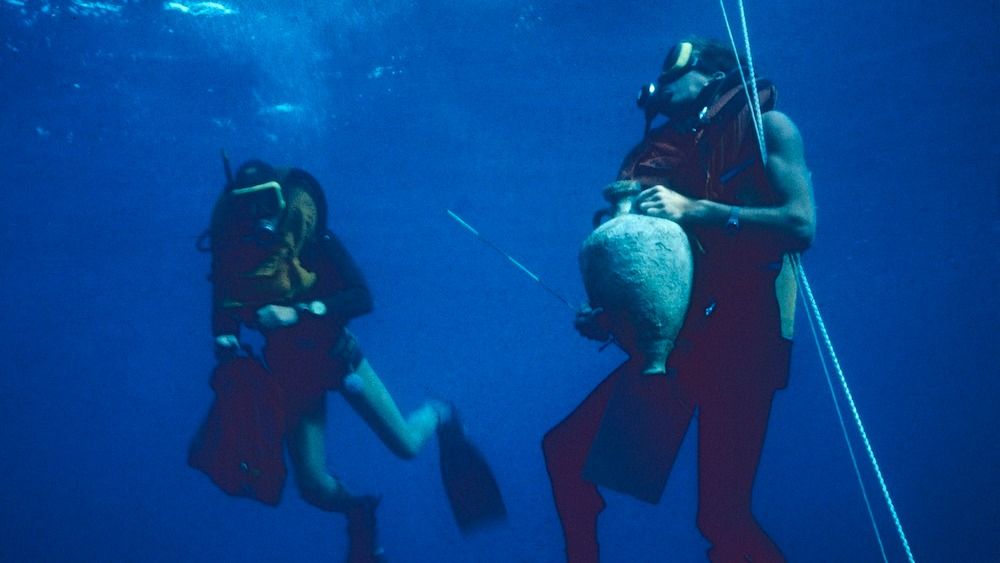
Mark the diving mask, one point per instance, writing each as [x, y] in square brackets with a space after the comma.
[262, 205]
[680, 60]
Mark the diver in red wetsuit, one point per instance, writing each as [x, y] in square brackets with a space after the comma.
[277, 269]
[703, 169]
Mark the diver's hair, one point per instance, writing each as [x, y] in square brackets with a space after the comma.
[714, 55]
[300, 178]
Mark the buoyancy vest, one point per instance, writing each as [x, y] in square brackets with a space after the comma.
[720, 160]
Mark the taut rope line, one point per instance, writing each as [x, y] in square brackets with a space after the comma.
[813, 310]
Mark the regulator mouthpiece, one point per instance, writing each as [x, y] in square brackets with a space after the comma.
[645, 95]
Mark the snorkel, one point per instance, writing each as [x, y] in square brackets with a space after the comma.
[264, 205]
[226, 168]
[256, 198]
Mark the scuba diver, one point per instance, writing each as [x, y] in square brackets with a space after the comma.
[278, 270]
[703, 169]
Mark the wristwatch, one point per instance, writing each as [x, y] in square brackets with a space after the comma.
[317, 308]
[733, 224]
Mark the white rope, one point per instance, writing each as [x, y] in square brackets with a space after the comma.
[758, 117]
[750, 90]
[840, 419]
[811, 300]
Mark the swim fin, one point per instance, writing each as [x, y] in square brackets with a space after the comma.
[362, 540]
[472, 489]
[641, 432]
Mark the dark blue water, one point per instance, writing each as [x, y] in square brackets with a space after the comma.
[513, 114]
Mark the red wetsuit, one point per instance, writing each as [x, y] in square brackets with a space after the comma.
[729, 357]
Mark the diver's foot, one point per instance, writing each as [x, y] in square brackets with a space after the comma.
[450, 425]
[444, 410]
[362, 538]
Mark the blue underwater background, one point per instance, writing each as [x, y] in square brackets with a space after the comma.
[514, 114]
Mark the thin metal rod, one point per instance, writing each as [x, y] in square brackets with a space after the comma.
[512, 260]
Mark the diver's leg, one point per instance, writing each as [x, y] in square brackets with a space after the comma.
[367, 395]
[307, 449]
[565, 447]
[306, 446]
[731, 429]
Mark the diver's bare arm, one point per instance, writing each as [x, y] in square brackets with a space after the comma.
[794, 218]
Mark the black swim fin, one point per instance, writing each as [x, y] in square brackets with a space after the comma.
[472, 489]
[641, 432]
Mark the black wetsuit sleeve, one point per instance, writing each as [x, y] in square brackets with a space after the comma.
[349, 297]
[223, 321]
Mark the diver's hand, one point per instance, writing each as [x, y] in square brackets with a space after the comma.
[270, 317]
[592, 323]
[226, 346]
[661, 201]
